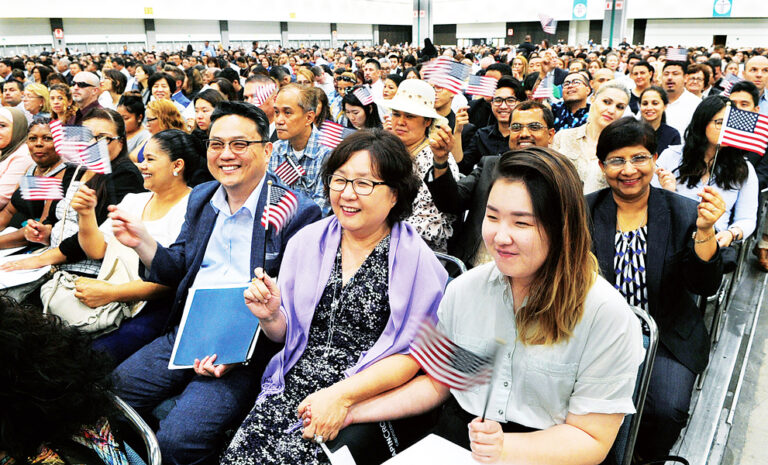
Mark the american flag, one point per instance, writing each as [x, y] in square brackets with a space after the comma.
[729, 80]
[331, 134]
[446, 73]
[74, 144]
[69, 141]
[289, 173]
[364, 95]
[677, 54]
[482, 85]
[542, 92]
[281, 206]
[744, 130]
[40, 188]
[448, 363]
[263, 93]
[548, 23]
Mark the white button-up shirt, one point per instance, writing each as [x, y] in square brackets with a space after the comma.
[537, 385]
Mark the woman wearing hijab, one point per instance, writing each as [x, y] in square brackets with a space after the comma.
[14, 154]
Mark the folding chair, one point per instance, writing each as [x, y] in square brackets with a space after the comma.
[452, 265]
[141, 428]
[624, 445]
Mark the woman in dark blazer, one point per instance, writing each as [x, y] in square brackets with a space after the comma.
[658, 248]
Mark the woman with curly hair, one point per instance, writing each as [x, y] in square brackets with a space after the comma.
[53, 384]
[62, 106]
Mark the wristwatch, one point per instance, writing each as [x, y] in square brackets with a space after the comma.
[440, 166]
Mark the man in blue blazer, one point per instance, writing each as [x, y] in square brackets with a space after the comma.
[220, 243]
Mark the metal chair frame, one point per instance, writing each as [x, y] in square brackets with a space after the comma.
[142, 428]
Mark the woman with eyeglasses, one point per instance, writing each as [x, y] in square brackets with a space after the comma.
[60, 227]
[36, 100]
[688, 168]
[659, 250]
[579, 143]
[347, 333]
[160, 115]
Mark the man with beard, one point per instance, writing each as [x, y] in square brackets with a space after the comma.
[574, 109]
[531, 123]
[682, 103]
[85, 93]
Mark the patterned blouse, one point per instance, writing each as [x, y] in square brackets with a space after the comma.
[433, 226]
[629, 266]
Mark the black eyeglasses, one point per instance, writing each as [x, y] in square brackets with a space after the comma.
[510, 101]
[82, 85]
[237, 146]
[533, 127]
[361, 186]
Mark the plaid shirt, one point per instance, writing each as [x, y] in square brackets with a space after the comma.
[312, 160]
[564, 119]
[336, 108]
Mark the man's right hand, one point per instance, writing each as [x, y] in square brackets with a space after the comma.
[132, 233]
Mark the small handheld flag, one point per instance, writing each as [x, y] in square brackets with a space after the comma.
[482, 85]
[331, 133]
[74, 144]
[289, 173]
[548, 23]
[542, 92]
[40, 188]
[677, 54]
[263, 93]
[447, 73]
[729, 80]
[281, 206]
[449, 363]
[744, 130]
[363, 94]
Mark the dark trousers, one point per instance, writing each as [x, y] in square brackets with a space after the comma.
[135, 333]
[205, 408]
[666, 406]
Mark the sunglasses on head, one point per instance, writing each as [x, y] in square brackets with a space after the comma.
[82, 85]
[346, 79]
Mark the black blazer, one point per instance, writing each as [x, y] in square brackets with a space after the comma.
[674, 273]
[469, 193]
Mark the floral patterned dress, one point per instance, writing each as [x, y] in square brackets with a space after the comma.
[347, 322]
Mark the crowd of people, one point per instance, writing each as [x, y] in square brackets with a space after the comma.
[610, 190]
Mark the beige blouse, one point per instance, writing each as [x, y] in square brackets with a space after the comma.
[573, 143]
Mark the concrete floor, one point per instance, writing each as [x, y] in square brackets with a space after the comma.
[748, 440]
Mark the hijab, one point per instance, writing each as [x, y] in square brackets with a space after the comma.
[19, 131]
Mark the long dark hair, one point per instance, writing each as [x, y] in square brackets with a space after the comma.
[730, 169]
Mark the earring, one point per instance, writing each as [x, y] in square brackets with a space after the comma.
[176, 173]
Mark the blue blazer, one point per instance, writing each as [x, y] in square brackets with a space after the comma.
[177, 265]
[674, 273]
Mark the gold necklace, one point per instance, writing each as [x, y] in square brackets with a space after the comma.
[643, 221]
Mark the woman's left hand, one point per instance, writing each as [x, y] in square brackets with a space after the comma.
[30, 263]
[329, 410]
[441, 142]
[94, 293]
[486, 440]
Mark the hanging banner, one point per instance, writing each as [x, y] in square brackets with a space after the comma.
[722, 8]
[579, 9]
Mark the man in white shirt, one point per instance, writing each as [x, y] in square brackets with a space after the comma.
[372, 73]
[682, 103]
[756, 71]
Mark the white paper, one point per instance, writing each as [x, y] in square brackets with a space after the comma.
[18, 277]
[341, 457]
[433, 449]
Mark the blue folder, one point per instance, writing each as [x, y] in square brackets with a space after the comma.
[215, 321]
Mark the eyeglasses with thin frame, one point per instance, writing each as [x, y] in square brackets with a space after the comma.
[574, 82]
[82, 85]
[638, 161]
[718, 123]
[510, 101]
[361, 186]
[533, 127]
[236, 146]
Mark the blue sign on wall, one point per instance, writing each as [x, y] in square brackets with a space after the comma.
[579, 9]
[722, 8]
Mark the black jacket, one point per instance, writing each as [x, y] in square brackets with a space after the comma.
[470, 193]
[486, 141]
[674, 273]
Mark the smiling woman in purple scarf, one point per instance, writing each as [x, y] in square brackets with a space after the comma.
[352, 292]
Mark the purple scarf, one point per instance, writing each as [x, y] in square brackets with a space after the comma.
[416, 284]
